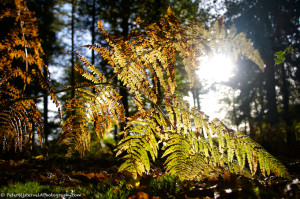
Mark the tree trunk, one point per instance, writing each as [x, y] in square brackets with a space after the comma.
[196, 99]
[93, 30]
[45, 114]
[286, 113]
[272, 114]
[72, 49]
[125, 7]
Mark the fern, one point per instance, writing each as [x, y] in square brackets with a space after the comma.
[139, 141]
[194, 147]
[227, 150]
[210, 41]
[94, 107]
[192, 152]
[18, 123]
[20, 66]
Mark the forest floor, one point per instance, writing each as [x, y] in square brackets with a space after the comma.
[57, 177]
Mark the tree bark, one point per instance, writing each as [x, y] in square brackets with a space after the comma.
[272, 113]
[72, 49]
[45, 114]
[286, 113]
[125, 29]
[93, 30]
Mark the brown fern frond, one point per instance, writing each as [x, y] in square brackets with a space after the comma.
[95, 108]
[20, 65]
[98, 111]
[18, 124]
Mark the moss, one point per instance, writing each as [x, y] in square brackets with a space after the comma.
[165, 186]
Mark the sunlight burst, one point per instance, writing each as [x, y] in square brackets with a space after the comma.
[218, 68]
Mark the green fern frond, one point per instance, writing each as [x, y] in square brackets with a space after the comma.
[140, 140]
[222, 147]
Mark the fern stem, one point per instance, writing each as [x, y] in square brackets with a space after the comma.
[11, 102]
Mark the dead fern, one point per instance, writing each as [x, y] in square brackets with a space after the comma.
[20, 66]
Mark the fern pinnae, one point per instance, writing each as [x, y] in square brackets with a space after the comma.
[139, 140]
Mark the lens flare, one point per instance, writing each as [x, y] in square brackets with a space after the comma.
[218, 68]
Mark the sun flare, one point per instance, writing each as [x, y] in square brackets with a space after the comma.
[218, 68]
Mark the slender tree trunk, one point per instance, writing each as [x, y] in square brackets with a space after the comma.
[125, 7]
[252, 129]
[73, 48]
[286, 113]
[45, 114]
[196, 99]
[93, 30]
[272, 114]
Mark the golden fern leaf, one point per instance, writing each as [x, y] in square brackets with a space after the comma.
[98, 110]
[243, 46]
[95, 107]
[206, 42]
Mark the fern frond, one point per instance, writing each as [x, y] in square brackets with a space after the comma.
[97, 111]
[20, 59]
[186, 160]
[18, 124]
[221, 149]
[140, 140]
[209, 41]
[145, 60]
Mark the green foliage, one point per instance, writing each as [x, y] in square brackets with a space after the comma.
[204, 149]
[104, 190]
[139, 141]
[280, 55]
[100, 190]
[30, 188]
[165, 186]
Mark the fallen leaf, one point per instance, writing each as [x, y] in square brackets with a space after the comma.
[142, 195]
[39, 157]
[227, 176]
[90, 175]
[115, 191]
[99, 175]
[44, 179]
